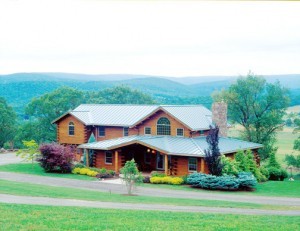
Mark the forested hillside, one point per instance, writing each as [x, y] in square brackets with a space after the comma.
[19, 89]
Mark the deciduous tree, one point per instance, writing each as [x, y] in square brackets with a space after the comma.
[7, 122]
[259, 107]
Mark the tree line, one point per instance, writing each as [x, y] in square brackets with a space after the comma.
[258, 106]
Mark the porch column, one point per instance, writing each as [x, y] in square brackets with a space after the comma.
[87, 159]
[202, 165]
[116, 161]
[166, 164]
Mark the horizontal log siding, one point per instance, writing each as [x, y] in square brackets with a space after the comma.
[63, 136]
[152, 122]
[114, 132]
[100, 161]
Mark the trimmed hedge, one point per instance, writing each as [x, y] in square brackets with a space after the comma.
[244, 180]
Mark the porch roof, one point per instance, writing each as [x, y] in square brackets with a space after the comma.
[171, 145]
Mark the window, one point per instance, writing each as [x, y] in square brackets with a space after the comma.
[101, 131]
[179, 131]
[108, 157]
[192, 164]
[147, 157]
[125, 131]
[147, 131]
[71, 129]
[163, 126]
[201, 132]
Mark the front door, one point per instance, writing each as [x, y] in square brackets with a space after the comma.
[160, 161]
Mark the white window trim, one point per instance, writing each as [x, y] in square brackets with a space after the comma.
[145, 131]
[99, 131]
[109, 157]
[182, 132]
[69, 128]
[189, 164]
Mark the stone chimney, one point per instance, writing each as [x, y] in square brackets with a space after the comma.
[219, 117]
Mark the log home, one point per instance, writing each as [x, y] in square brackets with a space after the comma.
[162, 138]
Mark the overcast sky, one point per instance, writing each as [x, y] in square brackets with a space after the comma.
[156, 38]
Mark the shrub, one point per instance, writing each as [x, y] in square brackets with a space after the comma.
[79, 165]
[264, 171]
[247, 180]
[276, 172]
[205, 181]
[56, 158]
[83, 171]
[146, 179]
[158, 174]
[230, 167]
[166, 180]
[76, 170]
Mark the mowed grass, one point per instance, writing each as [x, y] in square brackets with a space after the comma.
[35, 217]
[270, 188]
[25, 189]
[36, 169]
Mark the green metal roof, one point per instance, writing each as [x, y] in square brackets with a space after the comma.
[195, 117]
[180, 146]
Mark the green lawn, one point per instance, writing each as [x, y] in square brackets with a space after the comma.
[270, 188]
[25, 189]
[33, 217]
[36, 169]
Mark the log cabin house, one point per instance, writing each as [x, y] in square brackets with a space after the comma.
[160, 138]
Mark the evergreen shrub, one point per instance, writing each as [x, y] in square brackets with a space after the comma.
[206, 181]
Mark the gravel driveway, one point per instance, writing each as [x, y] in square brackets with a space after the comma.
[9, 158]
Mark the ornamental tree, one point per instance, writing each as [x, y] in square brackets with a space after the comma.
[30, 152]
[56, 158]
[212, 154]
[131, 175]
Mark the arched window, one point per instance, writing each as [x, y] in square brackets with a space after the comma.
[163, 126]
[71, 129]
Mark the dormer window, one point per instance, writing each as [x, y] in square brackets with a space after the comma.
[71, 129]
[163, 126]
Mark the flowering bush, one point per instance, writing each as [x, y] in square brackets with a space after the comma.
[166, 180]
[76, 170]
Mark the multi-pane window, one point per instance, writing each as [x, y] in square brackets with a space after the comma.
[101, 131]
[125, 131]
[71, 129]
[147, 130]
[163, 126]
[108, 157]
[192, 164]
[179, 131]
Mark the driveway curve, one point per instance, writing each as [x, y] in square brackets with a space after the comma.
[144, 191]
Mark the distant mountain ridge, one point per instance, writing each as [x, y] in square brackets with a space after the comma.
[20, 88]
[288, 80]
